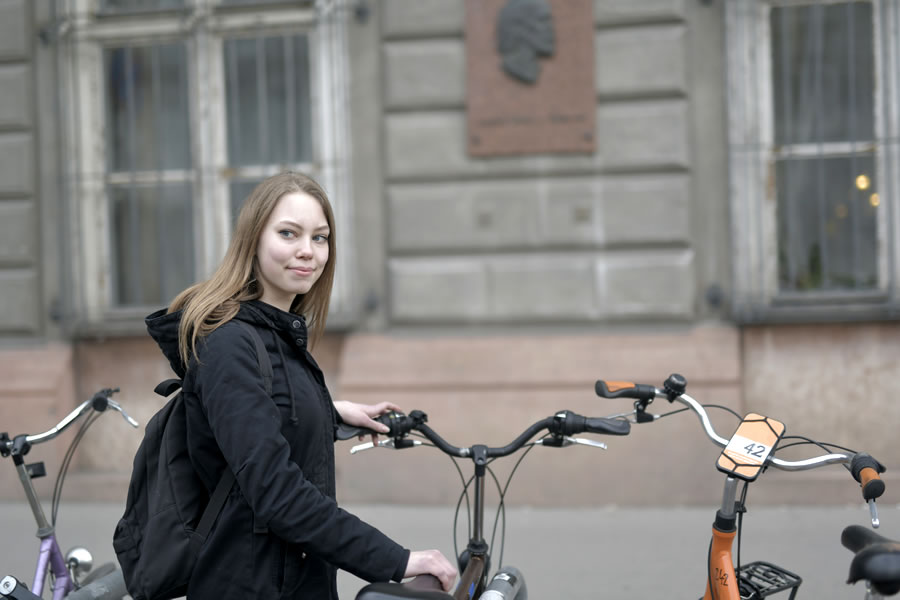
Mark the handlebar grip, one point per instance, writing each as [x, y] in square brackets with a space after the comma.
[865, 470]
[397, 423]
[872, 485]
[624, 389]
[424, 583]
[570, 423]
[348, 432]
[607, 426]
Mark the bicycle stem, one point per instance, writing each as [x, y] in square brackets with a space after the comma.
[44, 527]
[478, 522]
[728, 496]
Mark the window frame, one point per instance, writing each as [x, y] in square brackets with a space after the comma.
[203, 26]
[752, 192]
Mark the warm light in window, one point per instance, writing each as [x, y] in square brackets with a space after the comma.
[862, 182]
[874, 200]
[840, 211]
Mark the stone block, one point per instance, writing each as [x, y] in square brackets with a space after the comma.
[634, 135]
[19, 297]
[438, 289]
[17, 166]
[466, 215]
[540, 213]
[18, 235]
[615, 12]
[829, 382]
[15, 96]
[640, 60]
[646, 209]
[37, 391]
[647, 284]
[557, 286]
[708, 354]
[649, 134]
[421, 18]
[570, 210]
[424, 73]
[15, 27]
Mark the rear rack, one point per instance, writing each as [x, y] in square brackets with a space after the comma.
[761, 579]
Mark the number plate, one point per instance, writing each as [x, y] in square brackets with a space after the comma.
[750, 446]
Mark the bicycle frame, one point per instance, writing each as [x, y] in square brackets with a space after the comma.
[50, 557]
[723, 582]
[472, 579]
[560, 427]
[50, 560]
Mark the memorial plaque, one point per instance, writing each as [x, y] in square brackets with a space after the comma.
[530, 76]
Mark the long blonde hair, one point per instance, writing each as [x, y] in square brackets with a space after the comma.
[212, 303]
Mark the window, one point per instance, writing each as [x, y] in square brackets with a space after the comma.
[178, 109]
[813, 157]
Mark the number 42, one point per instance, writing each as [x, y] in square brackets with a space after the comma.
[755, 450]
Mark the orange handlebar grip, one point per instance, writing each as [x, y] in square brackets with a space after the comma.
[871, 483]
[624, 389]
[615, 386]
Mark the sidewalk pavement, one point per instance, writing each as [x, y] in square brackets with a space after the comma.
[580, 554]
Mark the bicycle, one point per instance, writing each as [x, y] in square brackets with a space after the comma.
[72, 576]
[745, 455]
[474, 562]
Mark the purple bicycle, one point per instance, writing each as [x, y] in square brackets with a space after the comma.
[71, 576]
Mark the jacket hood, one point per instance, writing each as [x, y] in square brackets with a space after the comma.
[163, 328]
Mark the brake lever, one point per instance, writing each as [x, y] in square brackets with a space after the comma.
[117, 407]
[635, 416]
[569, 441]
[873, 512]
[389, 443]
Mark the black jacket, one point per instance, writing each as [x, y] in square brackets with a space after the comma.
[281, 533]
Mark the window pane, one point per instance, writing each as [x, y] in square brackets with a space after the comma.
[139, 5]
[153, 257]
[823, 65]
[265, 1]
[268, 100]
[239, 190]
[147, 108]
[827, 217]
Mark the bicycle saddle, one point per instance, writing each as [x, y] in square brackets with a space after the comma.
[396, 591]
[877, 559]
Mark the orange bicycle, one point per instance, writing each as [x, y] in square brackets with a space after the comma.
[748, 453]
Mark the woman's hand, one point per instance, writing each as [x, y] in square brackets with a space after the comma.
[361, 415]
[431, 562]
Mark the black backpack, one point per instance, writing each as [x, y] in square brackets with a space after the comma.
[168, 513]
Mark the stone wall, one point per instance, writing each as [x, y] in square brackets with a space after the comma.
[20, 242]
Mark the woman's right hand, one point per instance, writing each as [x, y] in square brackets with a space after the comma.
[431, 562]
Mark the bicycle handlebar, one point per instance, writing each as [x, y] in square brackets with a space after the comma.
[99, 402]
[864, 468]
[562, 424]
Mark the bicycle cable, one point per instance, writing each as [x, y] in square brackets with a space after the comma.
[64, 466]
[503, 505]
[500, 515]
[465, 493]
[740, 509]
[826, 446]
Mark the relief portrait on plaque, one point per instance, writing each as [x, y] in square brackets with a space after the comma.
[524, 32]
[529, 77]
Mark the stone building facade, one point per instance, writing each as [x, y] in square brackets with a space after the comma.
[488, 292]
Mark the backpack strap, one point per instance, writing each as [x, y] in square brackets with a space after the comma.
[217, 500]
[262, 355]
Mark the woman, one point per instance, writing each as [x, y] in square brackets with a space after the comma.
[281, 533]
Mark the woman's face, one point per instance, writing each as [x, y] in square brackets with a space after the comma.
[292, 249]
